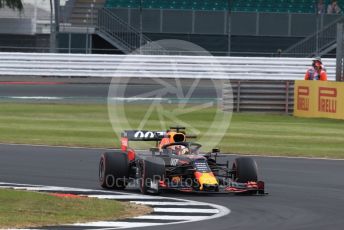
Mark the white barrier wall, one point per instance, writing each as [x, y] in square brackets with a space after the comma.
[154, 66]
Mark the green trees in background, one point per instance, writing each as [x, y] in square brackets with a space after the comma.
[13, 4]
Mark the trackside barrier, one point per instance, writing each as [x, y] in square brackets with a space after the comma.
[319, 99]
[260, 96]
[157, 66]
[257, 84]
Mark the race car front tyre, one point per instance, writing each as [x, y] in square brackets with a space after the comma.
[152, 170]
[113, 170]
[245, 169]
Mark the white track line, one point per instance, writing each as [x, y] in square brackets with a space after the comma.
[62, 189]
[50, 189]
[33, 97]
[116, 224]
[186, 210]
[120, 197]
[209, 213]
[170, 217]
[165, 203]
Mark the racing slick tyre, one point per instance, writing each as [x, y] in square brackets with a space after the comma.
[152, 170]
[113, 170]
[245, 169]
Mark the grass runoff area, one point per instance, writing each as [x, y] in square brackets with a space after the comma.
[249, 133]
[20, 209]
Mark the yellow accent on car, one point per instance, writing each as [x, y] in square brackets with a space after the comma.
[206, 178]
[176, 179]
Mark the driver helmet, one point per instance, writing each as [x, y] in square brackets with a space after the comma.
[181, 150]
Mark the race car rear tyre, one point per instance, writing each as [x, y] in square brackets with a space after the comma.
[152, 170]
[113, 170]
[245, 169]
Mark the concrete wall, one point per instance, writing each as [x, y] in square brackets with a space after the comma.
[24, 43]
[17, 26]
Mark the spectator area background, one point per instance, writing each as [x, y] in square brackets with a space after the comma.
[290, 6]
[258, 26]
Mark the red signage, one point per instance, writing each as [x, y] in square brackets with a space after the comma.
[303, 98]
[327, 100]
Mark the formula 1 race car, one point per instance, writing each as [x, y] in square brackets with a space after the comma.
[175, 164]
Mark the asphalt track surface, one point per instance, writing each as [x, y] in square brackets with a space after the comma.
[303, 193]
[93, 92]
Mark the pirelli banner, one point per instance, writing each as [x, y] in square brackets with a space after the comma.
[319, 99]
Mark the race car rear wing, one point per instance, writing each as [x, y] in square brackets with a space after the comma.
[144, 135]
[140, 135]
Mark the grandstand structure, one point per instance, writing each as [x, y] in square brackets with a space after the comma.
[24, 31]
[291, 6]
[255, 27]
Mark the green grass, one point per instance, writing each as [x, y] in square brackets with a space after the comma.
[20, 209]
[249, 133]
[71, 125]
[285, 135]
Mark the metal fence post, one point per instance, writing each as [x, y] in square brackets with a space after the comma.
[141, 28]
[287, 97]
[229, 25]
[69, 42]
[340, 53]
[238, 96]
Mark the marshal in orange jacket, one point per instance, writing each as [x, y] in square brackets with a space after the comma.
[313, 74]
